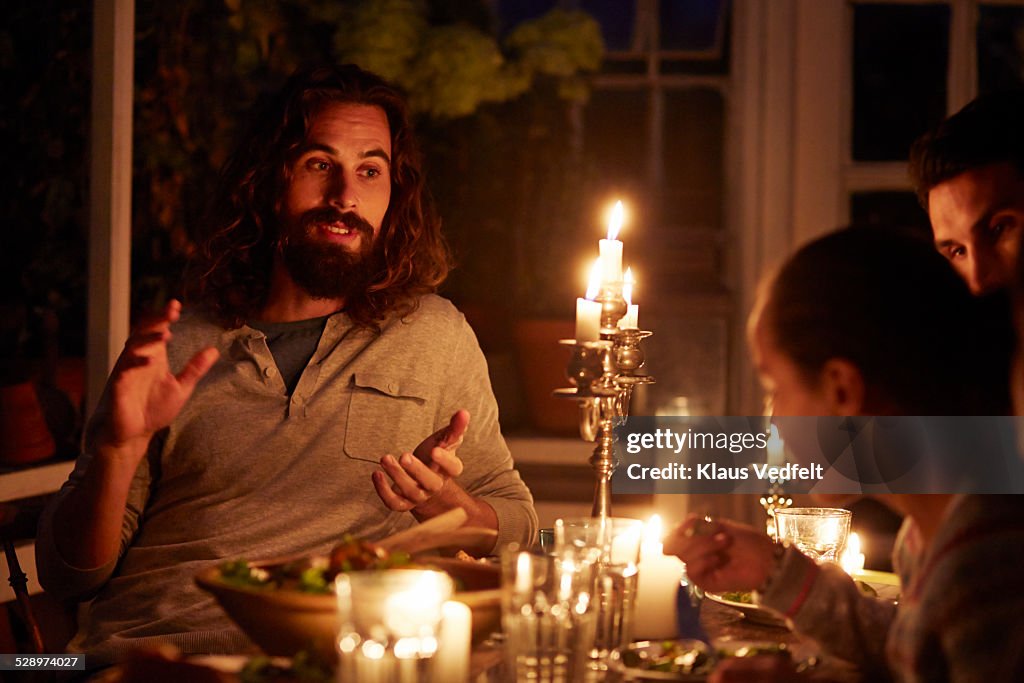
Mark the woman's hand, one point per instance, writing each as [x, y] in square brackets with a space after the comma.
[722, 555]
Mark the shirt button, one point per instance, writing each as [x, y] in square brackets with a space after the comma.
[269, 372]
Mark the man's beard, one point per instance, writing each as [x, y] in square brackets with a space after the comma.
[323, 269]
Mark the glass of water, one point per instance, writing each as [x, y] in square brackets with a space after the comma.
[819, 533]
[612, 546]
[548, 616]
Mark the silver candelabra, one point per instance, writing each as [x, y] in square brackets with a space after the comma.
[603, 374]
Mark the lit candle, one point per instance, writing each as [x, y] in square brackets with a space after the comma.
[588, 312]
[451, 663]
[611, 248]
[657, 586]
[629, 321]
[776, 449]
[853, 559]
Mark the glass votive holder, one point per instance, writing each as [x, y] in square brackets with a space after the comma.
[612, 545]
[390, 623]
[819, 533]
[548, 617]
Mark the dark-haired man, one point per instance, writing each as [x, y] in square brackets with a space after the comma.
[319, 388]
[969, 176]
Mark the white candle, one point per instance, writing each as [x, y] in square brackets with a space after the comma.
[657, 586]
[451, 663]
[588, 312]
[629, 321]
[776, 449]
[588, 320]
[611, 248]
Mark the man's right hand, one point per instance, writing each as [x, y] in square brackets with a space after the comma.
[722, 555]
[143, 396]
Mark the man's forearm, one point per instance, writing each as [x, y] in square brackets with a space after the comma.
[87, 521]
[480, 513]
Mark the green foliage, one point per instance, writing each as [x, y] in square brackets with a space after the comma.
[488, 111]
[451, 69]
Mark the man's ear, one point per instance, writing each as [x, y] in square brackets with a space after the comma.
[843, 387]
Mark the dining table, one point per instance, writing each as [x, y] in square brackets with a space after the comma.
[721, 623]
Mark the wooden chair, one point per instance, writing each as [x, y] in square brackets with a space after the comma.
[17, 522]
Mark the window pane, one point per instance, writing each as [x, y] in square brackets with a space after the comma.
[899, 209]
[616, 18]
[513, 12]
[691, 24]
[1000, 48]
[692, 144]
[899, 77]
[615, 144]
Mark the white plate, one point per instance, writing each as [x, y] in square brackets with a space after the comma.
[886, 584]
[753, 613]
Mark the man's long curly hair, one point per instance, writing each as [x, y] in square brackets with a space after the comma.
[229, 274]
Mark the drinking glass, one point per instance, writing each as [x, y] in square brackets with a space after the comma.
[548, 616]
[819, 533]
[390, 623]
[612, 546]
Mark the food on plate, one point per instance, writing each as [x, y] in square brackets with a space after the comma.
[314, 575]
[669, 656]
[305, 667]
[746, 597]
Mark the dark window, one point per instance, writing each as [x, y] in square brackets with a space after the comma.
[889, 208]
[617, 18]
[900, 58]
[1000, 48]
[615, 144]
[693, 157]
[513, 12]
[691, 24]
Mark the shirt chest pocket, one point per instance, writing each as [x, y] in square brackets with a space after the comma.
[388, 414]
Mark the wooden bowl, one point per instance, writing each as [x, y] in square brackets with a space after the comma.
[283, 622]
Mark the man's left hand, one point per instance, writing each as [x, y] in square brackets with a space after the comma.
[413, 480]
[421, 481]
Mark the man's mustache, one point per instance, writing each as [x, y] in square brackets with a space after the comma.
[328, 215]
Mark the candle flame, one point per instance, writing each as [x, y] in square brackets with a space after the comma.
[615, 222]
[653, 530]
[627, 286]
[852, 559]
[594, 283]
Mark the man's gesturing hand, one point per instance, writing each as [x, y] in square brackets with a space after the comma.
[412, 481]
[143, 395]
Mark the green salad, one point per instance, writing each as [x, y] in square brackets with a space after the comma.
[307, 576]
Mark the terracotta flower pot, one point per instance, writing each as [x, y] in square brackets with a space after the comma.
[542, 363]
[24, 434]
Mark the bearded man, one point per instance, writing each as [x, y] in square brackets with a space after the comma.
[317, 388]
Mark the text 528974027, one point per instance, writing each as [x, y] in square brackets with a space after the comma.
[42, 662]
